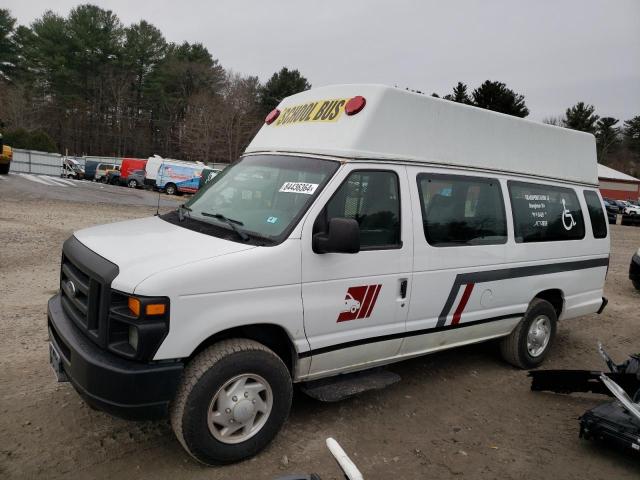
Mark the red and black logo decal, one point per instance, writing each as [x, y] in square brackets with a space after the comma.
[359, 302]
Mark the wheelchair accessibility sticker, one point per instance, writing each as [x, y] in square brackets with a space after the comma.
[567, 218]
[359, 302]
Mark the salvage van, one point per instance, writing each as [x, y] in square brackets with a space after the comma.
[363, 225]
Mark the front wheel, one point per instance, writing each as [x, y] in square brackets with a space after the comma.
[170, 189]
[234, 398]
[529, 343]
[132, 184]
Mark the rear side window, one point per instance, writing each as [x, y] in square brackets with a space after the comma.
[459, 210]
[596, 214]
[545, 213]
[372, 197]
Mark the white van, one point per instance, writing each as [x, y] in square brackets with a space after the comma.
[363, 225]
[153, 166]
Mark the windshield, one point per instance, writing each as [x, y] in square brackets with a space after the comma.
[263, 195]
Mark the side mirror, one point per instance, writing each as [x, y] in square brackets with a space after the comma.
[343, 237]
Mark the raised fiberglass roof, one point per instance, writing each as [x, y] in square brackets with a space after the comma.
[400, 125]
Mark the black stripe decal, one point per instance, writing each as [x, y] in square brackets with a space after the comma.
[513, 272]
[394, 336]
[462, 279]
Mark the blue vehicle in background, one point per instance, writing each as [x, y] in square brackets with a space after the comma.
[183, 177]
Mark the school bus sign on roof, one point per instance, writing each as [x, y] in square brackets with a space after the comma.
[318, 111]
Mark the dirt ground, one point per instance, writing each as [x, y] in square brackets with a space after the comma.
[457, 414]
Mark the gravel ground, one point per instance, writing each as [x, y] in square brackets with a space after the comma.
[456, 414]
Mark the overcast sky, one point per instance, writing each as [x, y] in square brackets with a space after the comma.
[555, 52]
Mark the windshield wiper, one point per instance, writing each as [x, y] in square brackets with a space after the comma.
[229, 221]
[183, 208]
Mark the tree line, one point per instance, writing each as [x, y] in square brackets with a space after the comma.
[89, 85]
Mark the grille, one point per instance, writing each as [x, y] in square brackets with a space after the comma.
[85, 289]
[80, 295]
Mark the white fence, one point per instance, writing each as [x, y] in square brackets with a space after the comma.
[42, 163]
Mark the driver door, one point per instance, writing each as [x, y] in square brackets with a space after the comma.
[355, 305]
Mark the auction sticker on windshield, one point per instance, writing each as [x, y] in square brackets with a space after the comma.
[299, 187]
[319, 111]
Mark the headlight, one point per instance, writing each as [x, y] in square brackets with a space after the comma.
[137, 325]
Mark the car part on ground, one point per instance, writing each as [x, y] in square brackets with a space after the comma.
[349, 469]
[617, 422]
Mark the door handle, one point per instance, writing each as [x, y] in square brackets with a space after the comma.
[403, 288]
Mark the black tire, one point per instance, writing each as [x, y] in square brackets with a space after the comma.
[514, 347]
[4, 168]
[103, 179]
[132, 184]
[170, 189]
[636, 284]
[205, 376]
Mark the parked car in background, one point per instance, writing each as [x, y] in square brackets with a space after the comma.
[631, 209]
[6, 155]
[102, 170]
[90, 167]
[611, 206]
[182, 177]
[128, 165]
[152, 168]
[112, 177]
[71, 169]
[135, 179]
[634, 270]
[612, 211]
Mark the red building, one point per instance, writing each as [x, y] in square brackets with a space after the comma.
[618, 185]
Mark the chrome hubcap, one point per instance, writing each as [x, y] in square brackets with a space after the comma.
[538, 336]
[240, 408]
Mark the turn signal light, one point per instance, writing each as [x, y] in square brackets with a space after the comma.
[273, 115]
[134, 306]
[155, 309]
[355, 105]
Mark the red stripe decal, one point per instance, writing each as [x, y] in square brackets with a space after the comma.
[373, 301]
[365, 301]
[463, 303]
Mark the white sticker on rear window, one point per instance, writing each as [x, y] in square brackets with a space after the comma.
[299, 187]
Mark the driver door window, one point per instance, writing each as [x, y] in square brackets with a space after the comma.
[372, 198]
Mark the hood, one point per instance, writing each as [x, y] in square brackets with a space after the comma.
[147, 246]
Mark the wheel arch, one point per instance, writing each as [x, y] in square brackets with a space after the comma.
[272, 336]
[555, 297]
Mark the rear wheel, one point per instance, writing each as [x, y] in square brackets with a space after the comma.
[171, 189]
[234, 398]
[4, 168]
[529, 343]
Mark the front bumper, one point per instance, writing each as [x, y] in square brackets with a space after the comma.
[124, 388]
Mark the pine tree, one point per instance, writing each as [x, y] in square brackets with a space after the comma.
[581, 117]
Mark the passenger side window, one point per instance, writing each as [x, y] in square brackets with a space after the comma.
[460, 210]
[596, 214]
[372, 198]
[545, 213]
